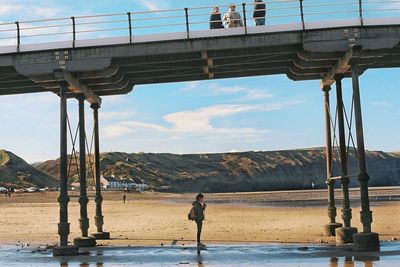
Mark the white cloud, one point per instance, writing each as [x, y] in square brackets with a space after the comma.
[244, 93]
[116, 115]
[42, 11]
[31, 10]
[152, 5]
[253, 94]
[190, 86]
[136, 125]
[114, 99]
[17, 102]
[392, 6]
[127, 127]
[116, 130]
[6, 9]
[198, 122]
[381, 104]
[13, 10]
[248, 93]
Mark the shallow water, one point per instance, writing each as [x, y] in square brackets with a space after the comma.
[216, 255]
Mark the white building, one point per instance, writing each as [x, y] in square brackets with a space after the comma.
[128, 184]
[110, 182]
[139, 184]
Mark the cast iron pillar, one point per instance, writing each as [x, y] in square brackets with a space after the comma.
[332, 225]
[367, 240]
[63, 227]
[100, 234]
[344, 234]
[83, 241]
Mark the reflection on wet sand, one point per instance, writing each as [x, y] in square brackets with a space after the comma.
[215, 255]
[349, 262]
[334, 262]
[199, 259]
[98, 264]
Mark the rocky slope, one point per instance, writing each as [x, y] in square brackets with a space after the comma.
[15, 172]
[247, 171]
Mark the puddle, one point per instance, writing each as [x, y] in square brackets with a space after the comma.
[215, 255]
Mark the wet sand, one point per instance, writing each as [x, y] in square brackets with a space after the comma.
[154, 218]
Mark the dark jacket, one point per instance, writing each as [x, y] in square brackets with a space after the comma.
[216, 21]
[198, 211]
[259, 10]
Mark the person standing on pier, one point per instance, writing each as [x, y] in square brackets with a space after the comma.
[232, 18]
[259, 12]
[215, 19]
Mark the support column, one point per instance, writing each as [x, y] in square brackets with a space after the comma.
[344, 234]
[100, 234]
[83, 241]
[332, 225]
[367, 240]
[63, 227]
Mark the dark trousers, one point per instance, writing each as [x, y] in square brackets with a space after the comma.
[199, 227]
[259, 21]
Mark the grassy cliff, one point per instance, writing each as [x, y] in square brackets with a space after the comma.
[246, 171]
[15, 172]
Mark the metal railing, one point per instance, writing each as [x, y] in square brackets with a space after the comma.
[278, 12]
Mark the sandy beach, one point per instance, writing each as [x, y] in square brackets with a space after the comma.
[155, 219]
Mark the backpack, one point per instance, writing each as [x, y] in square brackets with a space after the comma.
[191, 215]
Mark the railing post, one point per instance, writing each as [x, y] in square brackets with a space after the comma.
[18, 35]
[130, 26]
[187, 22]
[73, 31]
[244, 17]
[302, 14]
[360, 10]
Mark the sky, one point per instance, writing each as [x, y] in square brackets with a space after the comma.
[230, 115]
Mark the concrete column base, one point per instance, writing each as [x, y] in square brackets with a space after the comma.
[366, 242]
[84, 242]
[344, 235]
[329, 229]
[63, 251]
[101, 236]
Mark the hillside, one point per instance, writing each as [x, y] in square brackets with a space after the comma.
[15, 172]
[246, 171]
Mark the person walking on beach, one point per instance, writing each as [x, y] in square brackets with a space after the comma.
[198, 208]
[124, 198]
[215, 19]
[232, 18]
[259, 12]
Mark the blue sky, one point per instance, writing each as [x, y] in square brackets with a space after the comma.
[260, 113]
